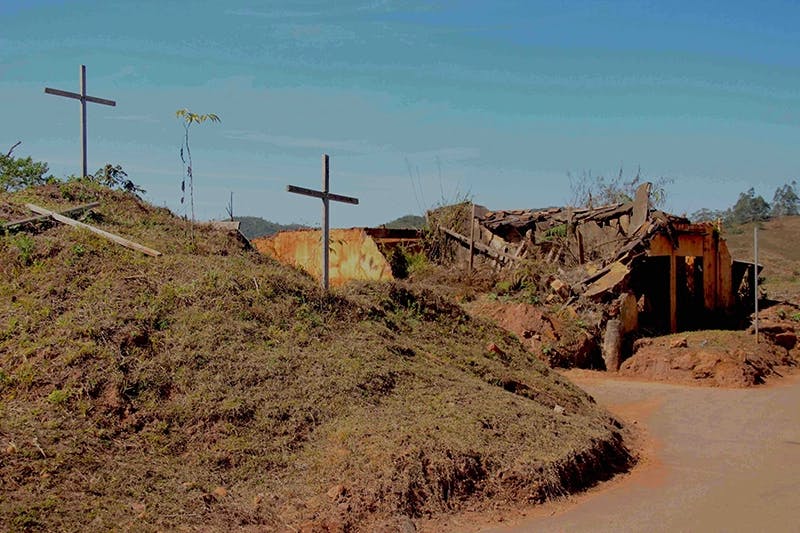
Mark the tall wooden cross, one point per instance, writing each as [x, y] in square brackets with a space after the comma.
[326, 197]
[83, 98]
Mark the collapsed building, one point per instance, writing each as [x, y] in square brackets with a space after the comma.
[649, 272]
[653, 272]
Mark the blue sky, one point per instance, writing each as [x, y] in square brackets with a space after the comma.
[416, 102]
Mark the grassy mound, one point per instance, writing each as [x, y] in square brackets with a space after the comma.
[214, 388]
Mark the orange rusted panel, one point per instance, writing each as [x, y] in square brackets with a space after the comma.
[689, 244]
[353, 254]
[660, 245]
[710, 271]
[725, 284]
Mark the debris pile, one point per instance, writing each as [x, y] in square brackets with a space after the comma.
[649, 271]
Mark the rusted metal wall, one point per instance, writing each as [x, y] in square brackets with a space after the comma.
[699, 240]
[353, 254]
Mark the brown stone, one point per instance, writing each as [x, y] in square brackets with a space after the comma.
[682, 342]
[628, 313]
[641, 343]
[560, 288]
[612, 345]
[336, 492]
[492, 347]
[787, 339]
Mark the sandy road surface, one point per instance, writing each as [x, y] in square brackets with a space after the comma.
[719, 460]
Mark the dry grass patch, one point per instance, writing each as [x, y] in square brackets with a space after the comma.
[214, 388]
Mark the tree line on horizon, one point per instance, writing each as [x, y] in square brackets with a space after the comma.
[591, 190]
[588, 190]
[750, 207]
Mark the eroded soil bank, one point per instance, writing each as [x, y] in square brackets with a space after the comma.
[715, 459]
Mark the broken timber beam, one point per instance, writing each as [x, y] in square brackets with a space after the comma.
[40, 218]
[110, 236]
[497, 254]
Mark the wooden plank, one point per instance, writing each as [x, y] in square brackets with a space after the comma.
[110, 236]
[497, 254]
[321, 194]
[615, 274]
[59, 92]
[76, 96]
[96, 100]
[40, 218]
[641, 207]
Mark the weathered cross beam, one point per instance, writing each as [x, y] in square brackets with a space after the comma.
[83, 99]
[110, 236]
[326, 197]
[31, 220]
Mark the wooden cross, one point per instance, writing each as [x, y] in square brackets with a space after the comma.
[326, 197]
[83, 98]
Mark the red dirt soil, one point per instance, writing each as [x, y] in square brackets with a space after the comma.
[721, 358]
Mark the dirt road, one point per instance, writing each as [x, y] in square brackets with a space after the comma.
[720, 460]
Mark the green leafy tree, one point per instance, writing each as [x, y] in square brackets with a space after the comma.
[114, 177]
[785, 202]
[749, 208]
[252, 227]
[709, 215]
[20, 172]
[188, 118]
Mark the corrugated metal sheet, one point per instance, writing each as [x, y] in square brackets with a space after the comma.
[354, 255]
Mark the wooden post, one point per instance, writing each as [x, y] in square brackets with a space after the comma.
[83, 120]
[755, 277]
[83, 98]
[673, 292]
[326, 197]
[326, 232]
[472, 237]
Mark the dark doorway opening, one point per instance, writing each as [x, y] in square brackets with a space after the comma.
[691, 303]
[650, 284]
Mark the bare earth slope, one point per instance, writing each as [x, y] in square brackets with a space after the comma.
[213, 388]
[777, 251]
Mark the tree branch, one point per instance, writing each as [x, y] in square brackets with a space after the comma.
[8, 154]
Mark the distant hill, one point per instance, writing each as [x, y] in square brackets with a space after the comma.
[253, 227]
[776, 251]
[407, 222]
